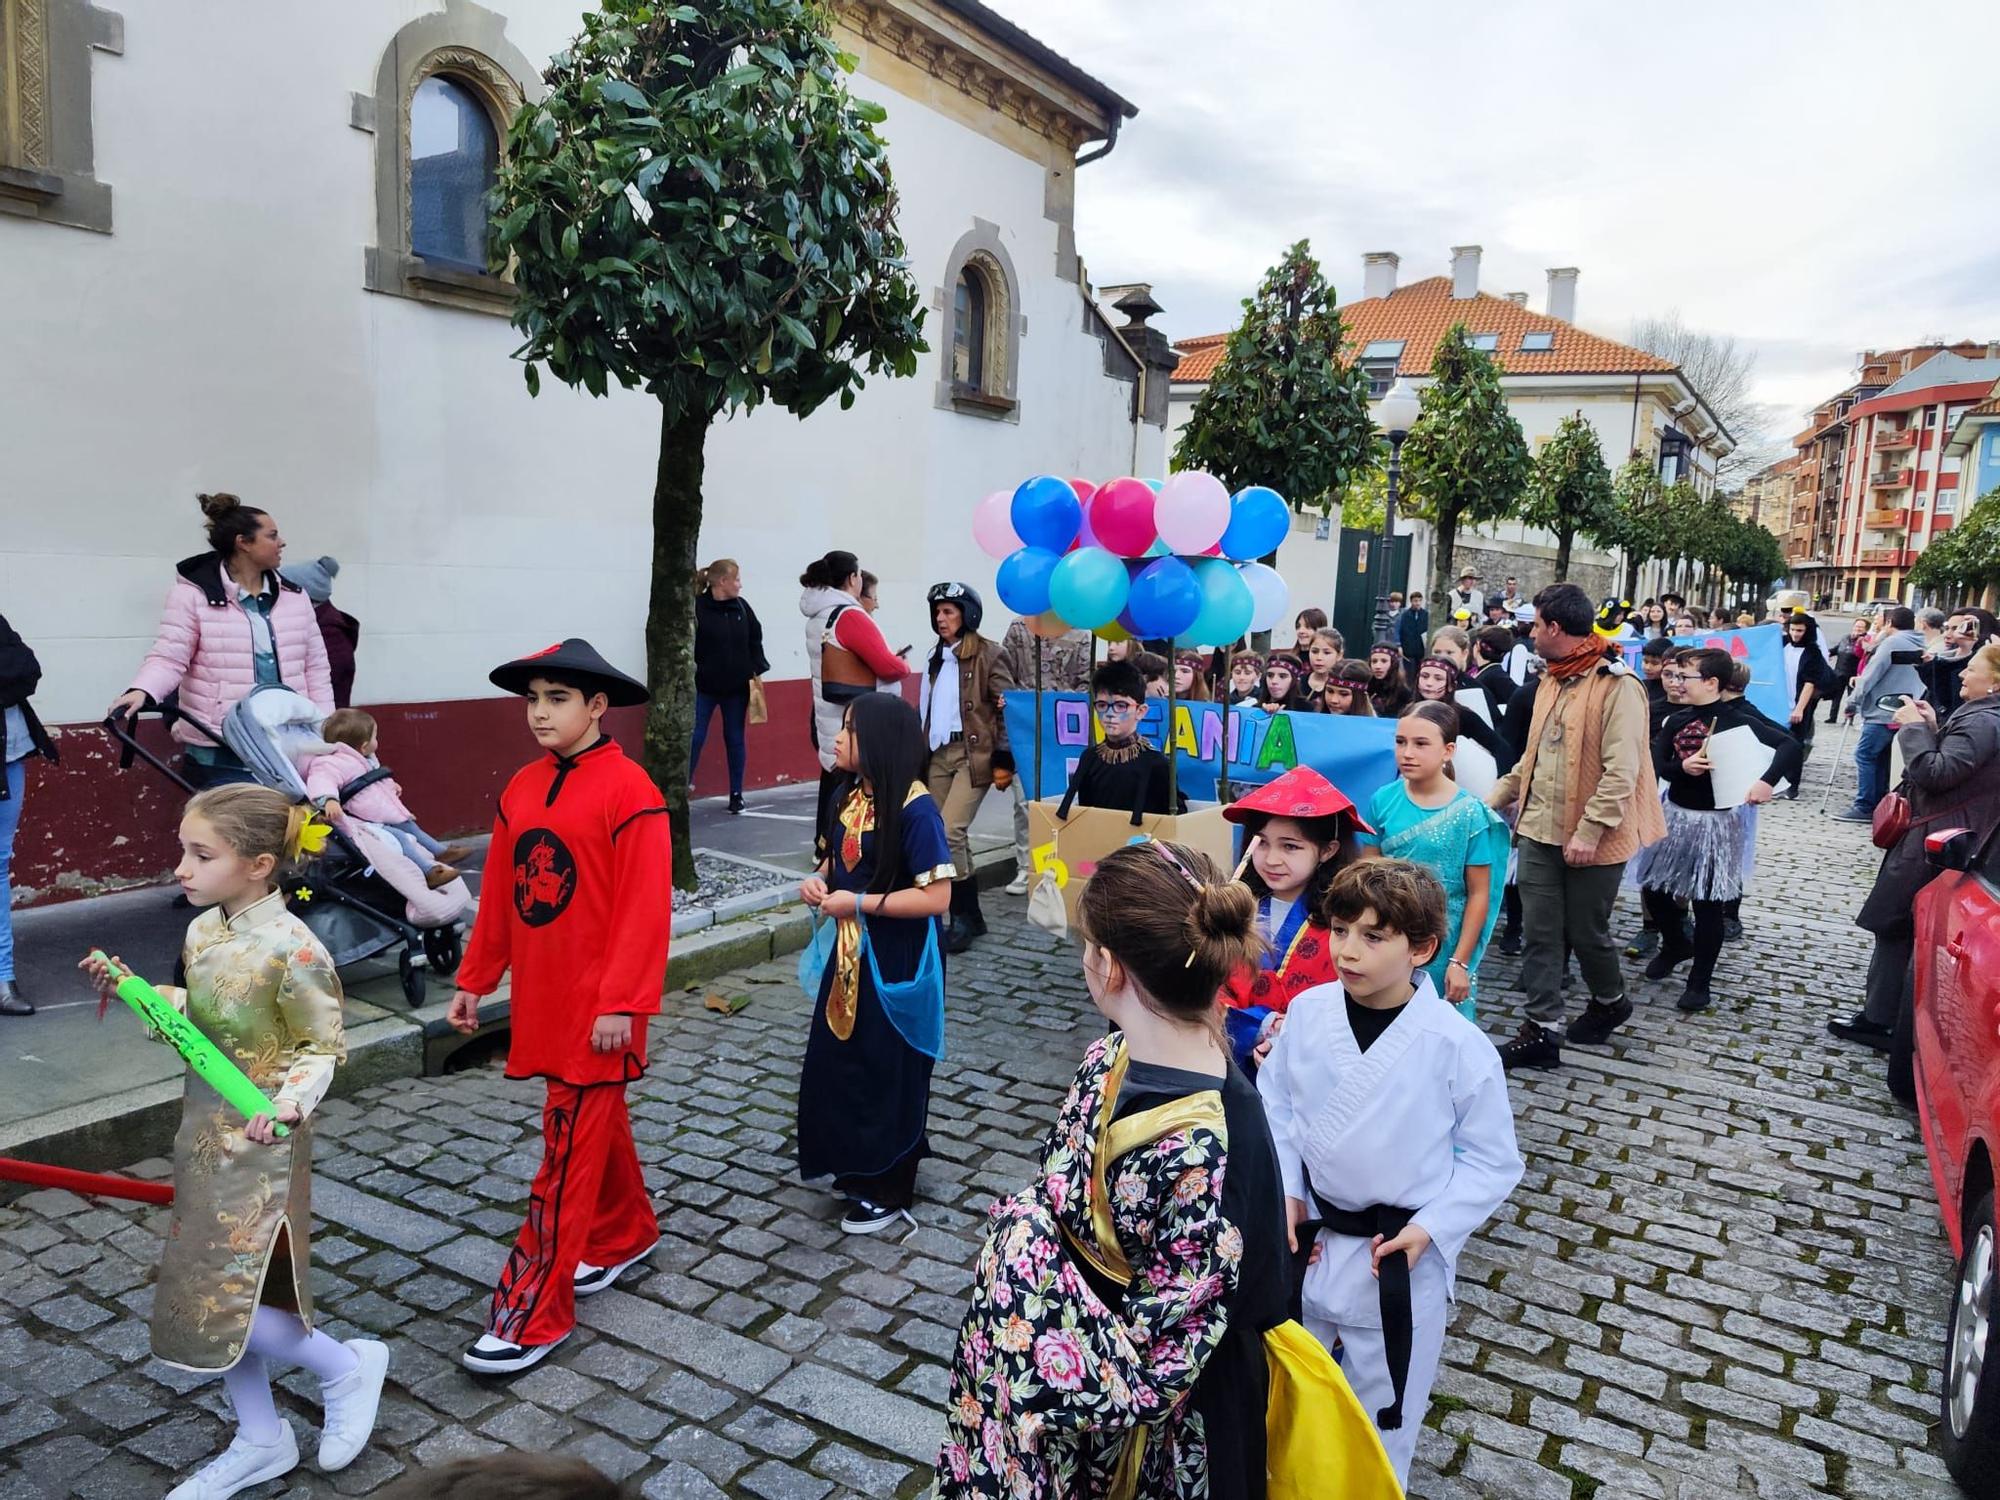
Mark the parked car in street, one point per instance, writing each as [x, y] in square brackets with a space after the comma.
[1955, 1034]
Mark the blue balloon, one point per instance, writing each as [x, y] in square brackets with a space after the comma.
[1089, 587]
[1023, 580]
[1258, 522]
[1165, 598]
[1046, 513]
[1225, 608]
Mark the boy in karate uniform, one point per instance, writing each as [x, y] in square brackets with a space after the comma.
[1395, 1139]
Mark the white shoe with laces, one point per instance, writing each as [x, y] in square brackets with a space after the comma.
[1018, 886]
[495, 1356]
[351, 1403]
[242, 1464]
[590, 1280]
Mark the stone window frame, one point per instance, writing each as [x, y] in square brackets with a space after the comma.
[996, 395]
[467, 44]
[47, 145]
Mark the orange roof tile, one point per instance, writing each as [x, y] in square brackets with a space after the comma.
[1419, 314]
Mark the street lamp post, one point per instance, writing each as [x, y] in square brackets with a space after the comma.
[1395, 414]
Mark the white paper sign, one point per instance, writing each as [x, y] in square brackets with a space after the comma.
[1737, 761]
[1474, 766]
[1473, 700]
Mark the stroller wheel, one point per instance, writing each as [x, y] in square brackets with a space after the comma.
[442, 949]
[412, 977]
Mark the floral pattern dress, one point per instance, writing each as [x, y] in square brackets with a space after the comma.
[262, 989]
[1099, 1296]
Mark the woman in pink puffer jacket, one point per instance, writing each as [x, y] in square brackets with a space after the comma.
[230, 624]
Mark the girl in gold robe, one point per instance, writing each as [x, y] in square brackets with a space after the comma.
[233, 1294]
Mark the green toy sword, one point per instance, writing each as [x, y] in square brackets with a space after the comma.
[207, 1060]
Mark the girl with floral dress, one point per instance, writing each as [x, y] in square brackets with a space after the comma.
[233, 1295]
[864, 1094]
[1114, 1346]
[1430, 820]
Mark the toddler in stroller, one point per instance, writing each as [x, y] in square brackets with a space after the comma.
[347, 780]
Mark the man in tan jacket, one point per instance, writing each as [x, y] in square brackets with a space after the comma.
[1583, 801]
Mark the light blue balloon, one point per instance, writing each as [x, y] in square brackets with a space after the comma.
[1258, 522]
[1023, 580]
[1226, 605]
[1165, 599]
[1089, 587]
[1154, 485]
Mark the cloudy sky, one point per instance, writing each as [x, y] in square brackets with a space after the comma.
[1812, 177]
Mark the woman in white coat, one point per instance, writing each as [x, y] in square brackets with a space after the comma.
[847, 656]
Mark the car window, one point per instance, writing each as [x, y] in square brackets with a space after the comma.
[1988, 862]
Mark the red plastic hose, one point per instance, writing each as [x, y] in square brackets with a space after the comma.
[97, 1184]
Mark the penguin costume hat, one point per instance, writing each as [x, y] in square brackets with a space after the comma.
[574, 661]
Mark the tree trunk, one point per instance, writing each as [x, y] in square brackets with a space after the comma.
[1444, 543]
[670, 625]
[1565, 540]
[1631, 575]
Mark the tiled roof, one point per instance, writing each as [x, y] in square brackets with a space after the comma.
[1419, 314]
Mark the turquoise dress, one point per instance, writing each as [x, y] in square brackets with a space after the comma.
[1447, 841]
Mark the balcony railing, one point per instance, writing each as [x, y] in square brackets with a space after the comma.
[1888, 440]
[1880, 557]
[1886, 520]
[1890, 479]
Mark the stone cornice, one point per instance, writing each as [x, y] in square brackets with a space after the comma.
[977, 66]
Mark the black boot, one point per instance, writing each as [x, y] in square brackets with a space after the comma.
[975, 919]
[959, 935]
[12, 1001]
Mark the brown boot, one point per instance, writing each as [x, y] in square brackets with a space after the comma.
[440, 875]
[454, 854]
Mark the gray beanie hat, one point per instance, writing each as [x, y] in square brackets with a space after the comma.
[316, 577]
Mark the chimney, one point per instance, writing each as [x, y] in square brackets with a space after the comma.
[1562, 293]
[1519, 299]
[1464, 272]
[1378, 272]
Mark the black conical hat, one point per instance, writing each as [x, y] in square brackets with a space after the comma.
[573, 658]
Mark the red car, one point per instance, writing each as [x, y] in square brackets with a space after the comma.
[1957, 1077]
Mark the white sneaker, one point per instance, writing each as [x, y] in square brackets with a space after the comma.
[1018, 886]
[495, 1356]
[351, 1402]
[243, 1463]
[591, 1279]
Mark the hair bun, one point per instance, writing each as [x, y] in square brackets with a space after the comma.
[216, 506]
[1222, 913]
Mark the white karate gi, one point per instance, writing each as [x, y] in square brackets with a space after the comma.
[1421, 1120]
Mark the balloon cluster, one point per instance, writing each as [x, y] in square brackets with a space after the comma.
[1154, 559]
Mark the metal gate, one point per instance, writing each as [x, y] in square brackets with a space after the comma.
[1358, 583]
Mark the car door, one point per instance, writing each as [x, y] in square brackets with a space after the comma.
[1966, 968]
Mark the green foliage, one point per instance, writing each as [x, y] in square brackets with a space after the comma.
[1282, 408]
[1966, 559]
[1465, 461]
[698, 206]
[1365, 501]
[1570, 493]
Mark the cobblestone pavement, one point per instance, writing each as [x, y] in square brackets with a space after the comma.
[1722, 1275]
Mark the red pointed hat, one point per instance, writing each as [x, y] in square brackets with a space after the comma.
[1300, 793]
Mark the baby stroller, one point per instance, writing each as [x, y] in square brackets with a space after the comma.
[361, 895]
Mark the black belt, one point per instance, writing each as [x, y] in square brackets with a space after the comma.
[1392, 1284]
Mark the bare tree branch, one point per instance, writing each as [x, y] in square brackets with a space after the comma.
[1722, 374]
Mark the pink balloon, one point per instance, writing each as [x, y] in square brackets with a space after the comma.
[1084, 490]
[1121, 516]
[993, 525]
[1192, 512]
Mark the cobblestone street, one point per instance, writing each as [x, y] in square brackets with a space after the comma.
[1722, 1275]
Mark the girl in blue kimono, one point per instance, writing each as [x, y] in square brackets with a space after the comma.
[1427, 818]
[878, 1025]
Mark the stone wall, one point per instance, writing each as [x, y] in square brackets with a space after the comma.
[1534, 567]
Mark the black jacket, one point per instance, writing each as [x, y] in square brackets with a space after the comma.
[1787, 759]
[1499, 686]
[20, 675]
[1815, 669]
[728, 646]
[1941, 675]
[1413, 629]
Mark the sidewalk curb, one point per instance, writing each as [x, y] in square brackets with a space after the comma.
[109, 1133]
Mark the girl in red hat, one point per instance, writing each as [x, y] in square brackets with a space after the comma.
[1302, 829]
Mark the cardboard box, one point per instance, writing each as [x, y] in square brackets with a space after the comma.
[1075, 847]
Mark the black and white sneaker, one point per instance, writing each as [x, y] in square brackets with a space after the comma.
[593, 1279]
[495, 1356]
[863, 1217]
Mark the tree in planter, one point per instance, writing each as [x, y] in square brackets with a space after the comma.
[1570, 493]
[1282, 408]
[699, 207]
[1465, 461]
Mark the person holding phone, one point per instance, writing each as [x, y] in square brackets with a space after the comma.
[1892, 670]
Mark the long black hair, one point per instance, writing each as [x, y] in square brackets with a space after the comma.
[889, 743]
[1339, 828]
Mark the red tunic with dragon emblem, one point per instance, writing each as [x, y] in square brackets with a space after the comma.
[577, 902]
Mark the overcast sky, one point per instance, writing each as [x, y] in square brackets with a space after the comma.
[1813, 178]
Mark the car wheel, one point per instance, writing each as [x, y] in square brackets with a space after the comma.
[1969, 1401]
[1903, 1054]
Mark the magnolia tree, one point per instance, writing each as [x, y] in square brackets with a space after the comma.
[1570, 492]
[1465, 460]
[698, 208]
[1965, 561]
[1282, 408]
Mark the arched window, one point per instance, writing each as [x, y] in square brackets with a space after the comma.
[454, 154]
[968, 329]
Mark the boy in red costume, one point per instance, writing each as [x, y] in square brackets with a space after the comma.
[578, 904]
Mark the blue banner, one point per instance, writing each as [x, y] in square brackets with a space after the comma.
[1763, 646]
[1356, 755]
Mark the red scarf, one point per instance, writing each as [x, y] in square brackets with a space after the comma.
[1586, 654]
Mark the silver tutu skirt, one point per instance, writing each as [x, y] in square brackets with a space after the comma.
[1701, 858]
